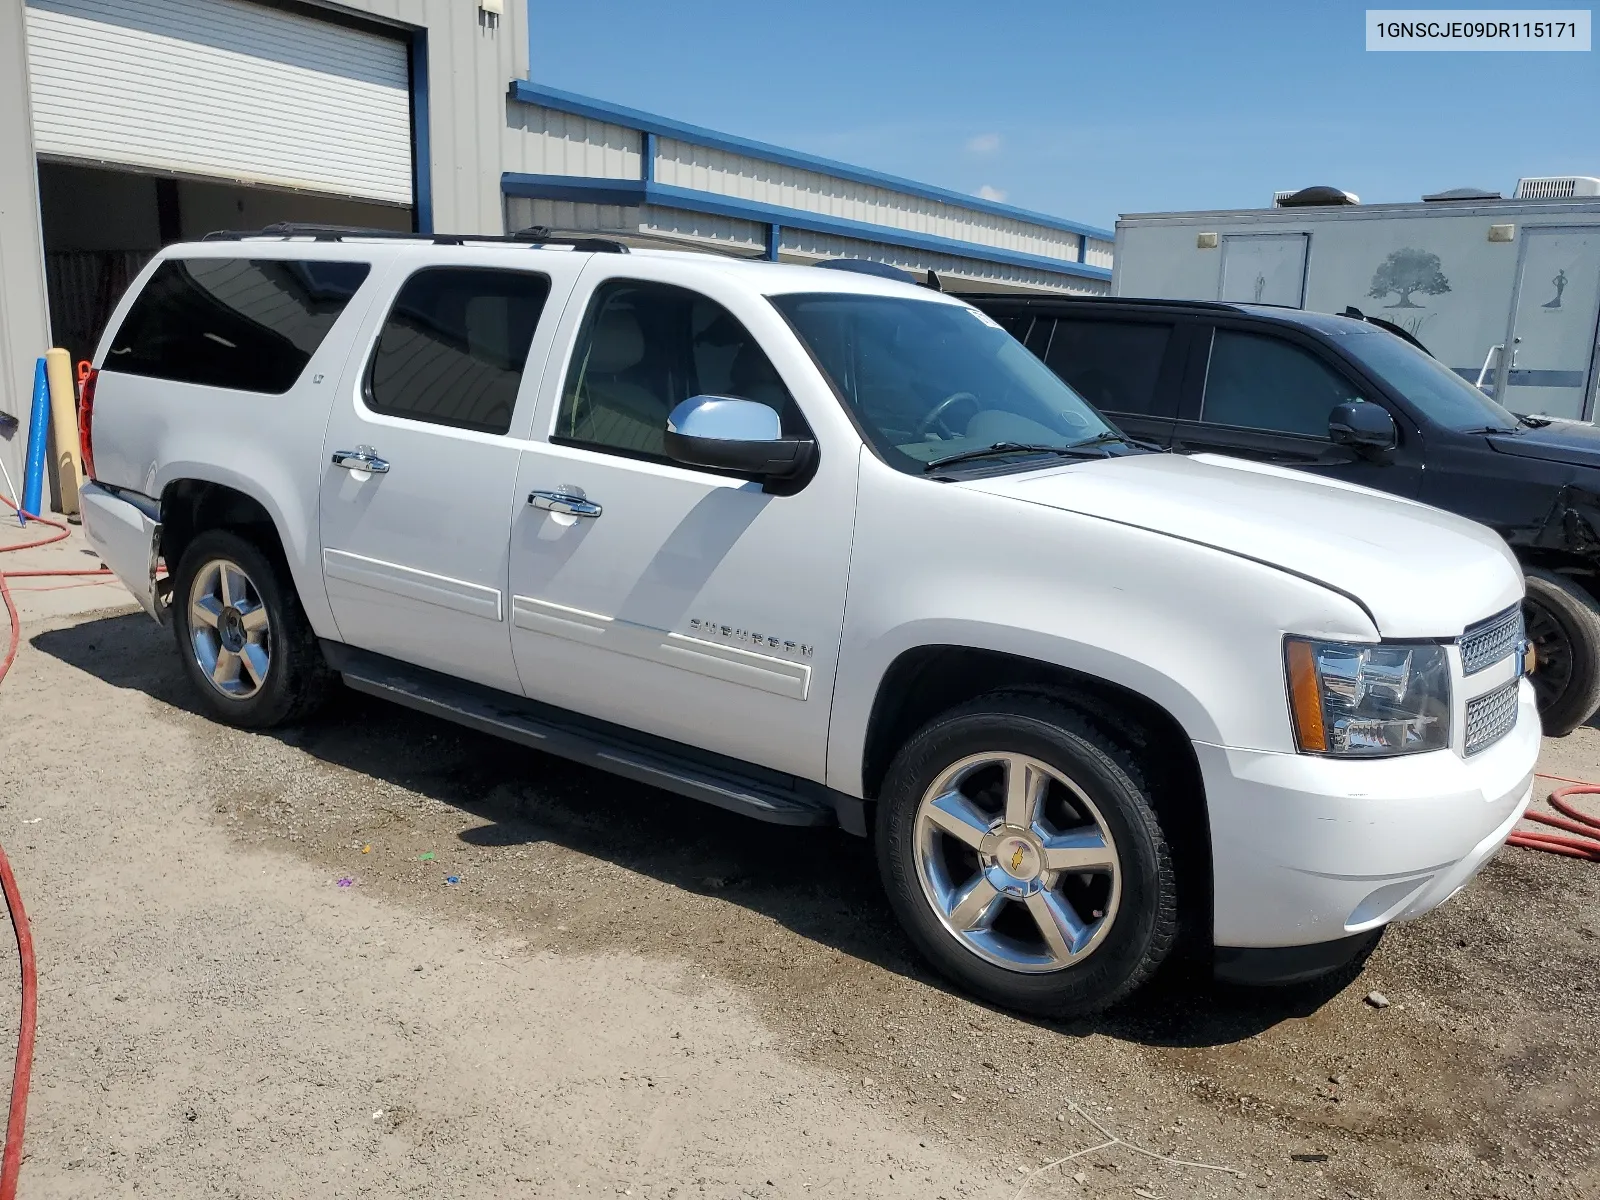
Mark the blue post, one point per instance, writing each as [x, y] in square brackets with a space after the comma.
[38, 435]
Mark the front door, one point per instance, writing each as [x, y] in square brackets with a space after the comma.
[419, 464]
[1553, 325]
[1267, 397]
[694, 606]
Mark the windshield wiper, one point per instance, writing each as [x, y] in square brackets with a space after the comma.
[999, 448]
[1101, 439]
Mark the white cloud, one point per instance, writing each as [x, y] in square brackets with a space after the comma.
[983, 143]
[990, 193]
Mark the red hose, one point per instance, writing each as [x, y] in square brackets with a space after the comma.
[11, 1160]
[1585, 846]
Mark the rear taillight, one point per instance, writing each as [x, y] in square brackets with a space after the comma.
[86, 422]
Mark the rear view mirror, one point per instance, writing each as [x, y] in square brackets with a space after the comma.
[731, 434]
[1362, 426]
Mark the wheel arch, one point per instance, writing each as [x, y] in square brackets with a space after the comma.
[924, 681]
[196, 497]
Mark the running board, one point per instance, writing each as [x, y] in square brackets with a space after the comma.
[752, 791]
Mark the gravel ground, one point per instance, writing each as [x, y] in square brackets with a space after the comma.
[626, 993]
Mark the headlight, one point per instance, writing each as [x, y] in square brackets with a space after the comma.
[1363, 700]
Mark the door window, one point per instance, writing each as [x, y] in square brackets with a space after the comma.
[1260, 382]
[453, 347]
[1114, 365]
[247, 324]
[644, 349]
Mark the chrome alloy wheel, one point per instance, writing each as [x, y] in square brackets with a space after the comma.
[1017, 862]
[229, 630]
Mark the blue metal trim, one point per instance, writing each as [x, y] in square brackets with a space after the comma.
[774, 241]
[616, 114]
[647, 156]
[630, 193]
[1083, 248]
[421, 154]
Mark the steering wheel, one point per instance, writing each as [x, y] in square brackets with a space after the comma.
[936, 415]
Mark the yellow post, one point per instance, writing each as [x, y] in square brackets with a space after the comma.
[64, 423]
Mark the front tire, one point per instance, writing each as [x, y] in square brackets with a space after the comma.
[1021, 852]
[1563, 622]
[242, 636]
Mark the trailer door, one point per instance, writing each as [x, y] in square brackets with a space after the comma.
[1264, 268]
[1553, 323]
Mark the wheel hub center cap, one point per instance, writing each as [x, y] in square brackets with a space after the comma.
[1014, 861]
[230, 630]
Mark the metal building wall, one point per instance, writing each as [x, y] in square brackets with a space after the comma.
[542, 141]
[684, 164]
[24, 328]
[470, 57]
[578, 162]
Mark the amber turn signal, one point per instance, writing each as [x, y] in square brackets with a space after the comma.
[1305, 696]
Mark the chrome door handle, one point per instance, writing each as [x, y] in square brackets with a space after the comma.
[361, 458]
[564, 502]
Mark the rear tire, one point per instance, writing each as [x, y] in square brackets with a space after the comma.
[242, 636]
[1563, 623]
[1053, 896]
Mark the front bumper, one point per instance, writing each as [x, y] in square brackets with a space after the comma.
[1308, 849]
[125, 532]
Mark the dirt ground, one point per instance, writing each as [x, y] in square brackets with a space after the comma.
[628, 993]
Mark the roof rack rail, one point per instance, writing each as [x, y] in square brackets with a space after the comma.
[535, 236]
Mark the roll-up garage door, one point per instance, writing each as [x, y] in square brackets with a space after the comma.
[222, 89]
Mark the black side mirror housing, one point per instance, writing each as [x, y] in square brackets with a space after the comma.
[728, 433]
[1362, 426]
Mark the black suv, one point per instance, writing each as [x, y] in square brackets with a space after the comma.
[1347, 397]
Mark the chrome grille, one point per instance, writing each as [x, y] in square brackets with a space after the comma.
[1487, 642]
[1490, 717]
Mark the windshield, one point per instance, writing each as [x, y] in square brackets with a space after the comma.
[927, 379]
[1434, 388]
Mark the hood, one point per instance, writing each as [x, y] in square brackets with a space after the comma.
[1419, 571]
[1575, 443]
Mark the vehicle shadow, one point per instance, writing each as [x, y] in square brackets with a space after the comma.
[820, 884]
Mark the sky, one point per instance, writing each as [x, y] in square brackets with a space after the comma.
[1087, 110]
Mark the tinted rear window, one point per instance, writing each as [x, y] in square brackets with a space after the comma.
[242, 323]
[453, 347]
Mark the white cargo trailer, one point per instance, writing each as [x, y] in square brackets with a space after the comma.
[1467, 274]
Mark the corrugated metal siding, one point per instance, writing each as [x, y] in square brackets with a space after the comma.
[951, 267]
[522, 212]
[222, 88]
[1099, 254]
[683, 164]
[542, 141]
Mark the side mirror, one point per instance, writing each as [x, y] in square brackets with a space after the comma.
[1362, 426]
[731, 434]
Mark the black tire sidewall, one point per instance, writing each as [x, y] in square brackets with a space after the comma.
[278, 696]
[1144, 927]
[1575, 614]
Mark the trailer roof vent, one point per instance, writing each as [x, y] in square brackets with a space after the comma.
[1466, 193]
[1311, 196]
[1557, 187]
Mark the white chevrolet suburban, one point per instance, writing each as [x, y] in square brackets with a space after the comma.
[821, 548]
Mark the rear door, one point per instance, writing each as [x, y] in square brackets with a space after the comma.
[1259, 391]
[419, 465]
[1128, 367]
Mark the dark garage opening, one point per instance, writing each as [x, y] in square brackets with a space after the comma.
[102, 225]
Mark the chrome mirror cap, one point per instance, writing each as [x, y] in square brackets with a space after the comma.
[725, 419]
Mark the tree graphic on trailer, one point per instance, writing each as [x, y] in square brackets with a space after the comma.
[1407, 271]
